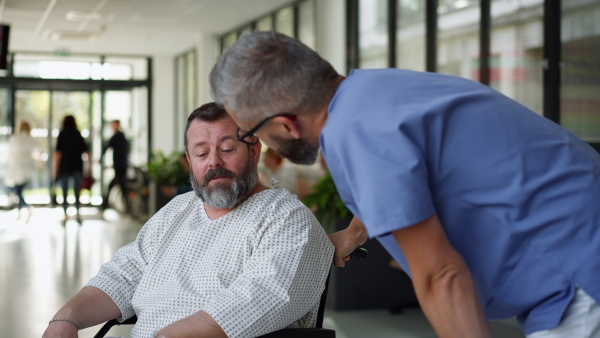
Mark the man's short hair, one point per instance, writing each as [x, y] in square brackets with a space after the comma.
[209, 112]
[266, 73]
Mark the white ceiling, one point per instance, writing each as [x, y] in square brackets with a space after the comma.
[140, 27]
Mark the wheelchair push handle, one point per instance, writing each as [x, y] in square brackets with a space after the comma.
[359, 254]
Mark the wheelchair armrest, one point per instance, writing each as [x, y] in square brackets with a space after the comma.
[113, 322]
[301, 333]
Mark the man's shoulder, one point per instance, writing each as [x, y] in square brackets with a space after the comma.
[277, 198]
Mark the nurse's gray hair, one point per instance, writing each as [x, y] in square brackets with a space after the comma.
[266, 73]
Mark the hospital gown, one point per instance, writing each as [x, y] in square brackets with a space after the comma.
[259, 268]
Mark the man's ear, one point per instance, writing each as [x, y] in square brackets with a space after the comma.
[255, 149]
[289, 125]
[187, 157]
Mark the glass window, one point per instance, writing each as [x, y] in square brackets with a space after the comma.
[53, 66]
[458, 38]
[246, 29]
[265, 24]
[5, 132]
[284, 22]
[191, 85]
[580, 71]
[180, 101]
[122, 68]
[517, 51]
[373, 36]
[307, 29]
[229, 39]
[186, 92]
[410, 36]
[79, 68]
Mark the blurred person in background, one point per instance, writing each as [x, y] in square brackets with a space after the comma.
[120, 147]
[21, 166]
[275, 168]
[68, 162]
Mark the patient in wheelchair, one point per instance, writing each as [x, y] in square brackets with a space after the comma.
[232, 258]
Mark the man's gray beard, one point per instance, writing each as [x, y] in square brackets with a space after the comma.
[224, 195]
[298, 151]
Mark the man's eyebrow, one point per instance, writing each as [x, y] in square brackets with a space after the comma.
[228, 137]
[224, 138]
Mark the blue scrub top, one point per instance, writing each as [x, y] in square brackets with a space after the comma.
[518, 195]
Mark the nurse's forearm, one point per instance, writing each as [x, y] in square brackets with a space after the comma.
[442, 280]
[358, 231]
[450, 302]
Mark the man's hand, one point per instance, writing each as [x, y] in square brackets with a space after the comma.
[345, 241]
[60, 330]
[200, 324]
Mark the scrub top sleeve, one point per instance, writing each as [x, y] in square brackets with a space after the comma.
[381, 174]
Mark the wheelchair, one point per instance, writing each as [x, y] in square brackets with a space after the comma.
[317, 332]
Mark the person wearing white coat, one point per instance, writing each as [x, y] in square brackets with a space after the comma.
[21, 165]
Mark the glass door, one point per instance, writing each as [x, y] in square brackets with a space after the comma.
[33, 106]
[45, 110]
[128, 106]
[5, 131]
[78, 104]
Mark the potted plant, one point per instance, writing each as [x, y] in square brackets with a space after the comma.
[327, 204]
[372, 284]
[165, 170]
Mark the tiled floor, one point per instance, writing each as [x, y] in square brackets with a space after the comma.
[43, 264]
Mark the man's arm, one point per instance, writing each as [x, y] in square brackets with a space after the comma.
[345, 241]
[442, 281]
[89, 307]
[200, 324]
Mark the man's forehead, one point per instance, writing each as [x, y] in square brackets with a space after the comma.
[219, 129]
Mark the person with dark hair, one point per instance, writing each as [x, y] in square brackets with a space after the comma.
[232, 258]
[491, 208]
[68, 162]
[120, 146]
[21, 166]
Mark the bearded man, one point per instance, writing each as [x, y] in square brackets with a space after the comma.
[230, 259]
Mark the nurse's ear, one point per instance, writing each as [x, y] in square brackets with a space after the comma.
[288, 124]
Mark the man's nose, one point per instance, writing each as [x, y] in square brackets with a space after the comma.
[215, 160]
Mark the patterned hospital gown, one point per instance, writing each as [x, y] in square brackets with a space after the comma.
[259, 268]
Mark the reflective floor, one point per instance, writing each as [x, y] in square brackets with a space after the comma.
[43, 264]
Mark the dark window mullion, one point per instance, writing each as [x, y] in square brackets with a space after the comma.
[352, 47]
[431, 35]
[296, 18]
[484, 42]
[552, 50]
[392, 19]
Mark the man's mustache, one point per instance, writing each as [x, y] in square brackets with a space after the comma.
[219, 172]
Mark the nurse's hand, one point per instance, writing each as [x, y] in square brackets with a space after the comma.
[345, 241]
